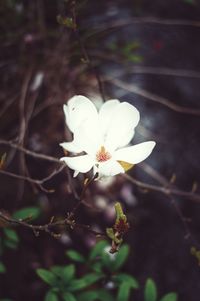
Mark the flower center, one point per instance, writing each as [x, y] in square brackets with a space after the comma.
[102, 155]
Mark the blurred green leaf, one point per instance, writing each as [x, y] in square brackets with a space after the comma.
[28, 212]
[98, 249]
[10, 244]
[135, 58]
[47, 276]
[68, 297]
[84, 282]
[88, 296]
[96, 267]
[57, 270]
[76, 256]
[122, 277]
[68, 272]
[51, 296]
[11, 235]
[121, 257]
[108, 260]
[2, 268]
[150, 290]
[169, 297]
[102, 295]
[123, 292]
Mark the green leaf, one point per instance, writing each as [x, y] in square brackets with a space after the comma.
[57, 270]
[122, 277]
[11, 235]
[98, 249]
[76, 256]
[47, 276]
[28, 212]
[68, 297]
[121, 257]
[169, 297]
[135, 58]
[123, 292]
[108, 260]
[97, 267]
[88, 296]
[51, 296]
[10, 244]
[150, 290]
[68, 272]
[102, 295]
[84, 282]
[2, 268]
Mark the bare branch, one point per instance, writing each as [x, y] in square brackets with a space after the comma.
[49, 227]
[154, 97]
[165, 190]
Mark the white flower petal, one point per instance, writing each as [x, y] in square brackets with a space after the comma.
[110, 168]
[125, 118]
[79, 109]
[76, 172]
[136, 153]
[80, 163]
[88, 137]
[106, 114]
[71, 147]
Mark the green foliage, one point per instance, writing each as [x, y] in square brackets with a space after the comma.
[28, 212]
[122, 277]
[51, 296]
[97, 271]
[47, 276]
[2, 268]
[100, 295]
[128, 51]
[169, 297]
[150, 290]
[75, 256]
[11, 238]
[68, 297]
[98, 249]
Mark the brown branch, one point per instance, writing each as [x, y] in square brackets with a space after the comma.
[165, 190]
[49, 227]
[29, 152]
[143, 69]
[86, 57]
[34, 181]
[154, 97]
[146, 20]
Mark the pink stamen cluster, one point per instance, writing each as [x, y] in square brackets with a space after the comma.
[103, 155]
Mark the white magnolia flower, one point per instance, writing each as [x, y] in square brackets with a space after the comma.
[103, 136]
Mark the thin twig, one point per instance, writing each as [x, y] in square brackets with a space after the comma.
[146, 20]
[49, 227]
[162, 189]
[165, 190]
[154, 97]
[86, 57]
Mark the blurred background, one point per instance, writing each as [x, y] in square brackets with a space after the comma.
[143, 52]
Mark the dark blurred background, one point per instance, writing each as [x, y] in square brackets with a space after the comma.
[144, 52]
